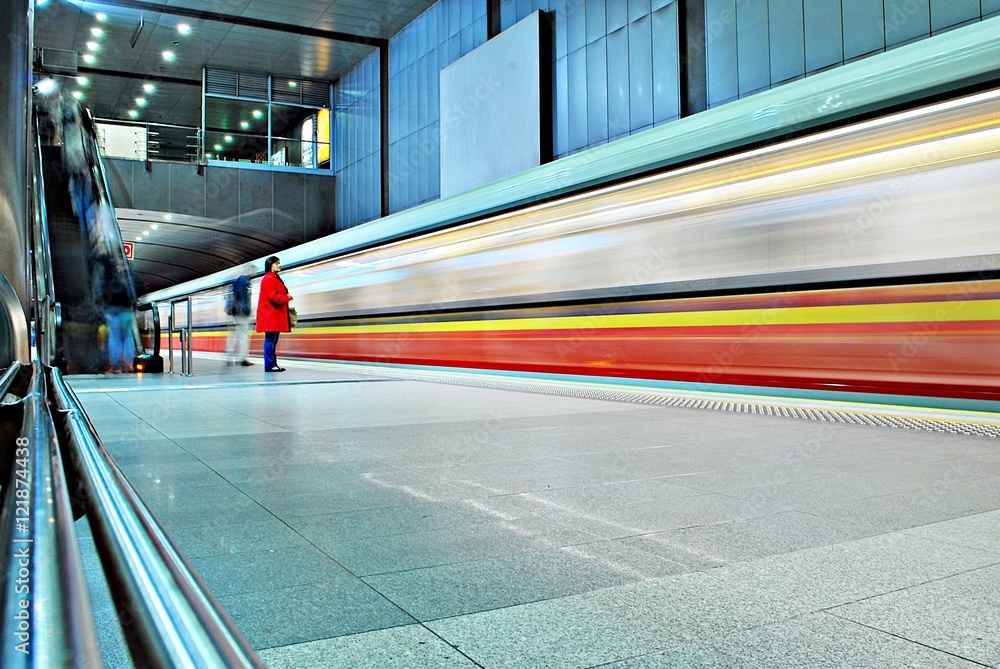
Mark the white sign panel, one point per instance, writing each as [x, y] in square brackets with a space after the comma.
[491, 121]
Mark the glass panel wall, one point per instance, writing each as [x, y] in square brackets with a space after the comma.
[248, 121]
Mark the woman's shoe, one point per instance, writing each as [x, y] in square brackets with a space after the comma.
[275, 369]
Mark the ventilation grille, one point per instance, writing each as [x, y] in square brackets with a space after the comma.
[236, 84]
[305, 92]
[57, 61]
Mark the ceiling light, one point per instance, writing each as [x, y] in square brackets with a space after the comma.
[183, 28]
[138, 239]
[101, 16]
[93, 46]
[88, 58]
[155, 226]
[168, 217]
[257, 113]
[293, 84]
[39, 3]
[149, 88]
[141, 102]
[77, 95]
[244, 125]
[228, 138]
[83, 81]
[45, 86]
[96, 32]
[169, 55]
[145, 233]
[133, 113]
[218, 147]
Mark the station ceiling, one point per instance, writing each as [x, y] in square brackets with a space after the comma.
[312, 39]
[125, 41]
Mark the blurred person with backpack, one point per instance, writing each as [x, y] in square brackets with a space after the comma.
[238, 306]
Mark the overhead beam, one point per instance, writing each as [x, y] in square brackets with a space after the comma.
[334, 35]
[139, 75]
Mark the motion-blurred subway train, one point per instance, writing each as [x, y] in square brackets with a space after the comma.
[860, 260]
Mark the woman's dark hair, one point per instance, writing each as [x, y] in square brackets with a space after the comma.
[270, 261]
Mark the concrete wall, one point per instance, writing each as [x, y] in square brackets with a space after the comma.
[15, 73]
[299, 205]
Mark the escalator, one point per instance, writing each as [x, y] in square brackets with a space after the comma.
[90, 274]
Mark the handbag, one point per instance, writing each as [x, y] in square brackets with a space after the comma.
[293, 316]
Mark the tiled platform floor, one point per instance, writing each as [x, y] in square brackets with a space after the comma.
[353, 521]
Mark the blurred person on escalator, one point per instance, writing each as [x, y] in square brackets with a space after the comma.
[118, 315]
[77, 164]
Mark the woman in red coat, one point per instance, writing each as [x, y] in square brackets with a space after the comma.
[272, 312]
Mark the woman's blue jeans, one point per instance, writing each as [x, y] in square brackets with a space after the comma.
[270, 350]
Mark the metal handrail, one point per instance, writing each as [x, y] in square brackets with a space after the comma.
[179, 623]
[153, 129]
[47, 311]
[47, 617]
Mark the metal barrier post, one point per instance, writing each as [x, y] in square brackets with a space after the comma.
[170, 338]
[190, 341]
[184, 338]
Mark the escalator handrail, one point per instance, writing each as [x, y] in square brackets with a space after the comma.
[8, 377]
[45, 291]
[104, 195]
[178, 621]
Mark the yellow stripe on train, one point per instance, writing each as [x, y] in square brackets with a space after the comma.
[917, 312]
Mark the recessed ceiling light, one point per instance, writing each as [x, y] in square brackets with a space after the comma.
[244, 125]
[168, 217]
[183, 28]
[218, 147]
[45, 86]
[257, 113]
[101, 16]
[141, 102]
[293, 84]
[88, 58]
[138, 239]
[93, 46]
[149, 88]
[145, 233]
[133, 113]
[228, 138]
[39, 3]
[169, 55]
[154, 226]
[96, 32]
[83, 81]
[77, 95]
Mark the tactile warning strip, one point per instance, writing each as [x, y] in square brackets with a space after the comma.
[666, 399]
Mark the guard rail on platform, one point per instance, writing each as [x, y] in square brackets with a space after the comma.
[168, 616]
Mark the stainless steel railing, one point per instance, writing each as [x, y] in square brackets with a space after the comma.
[178, 623]
[47, 620]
